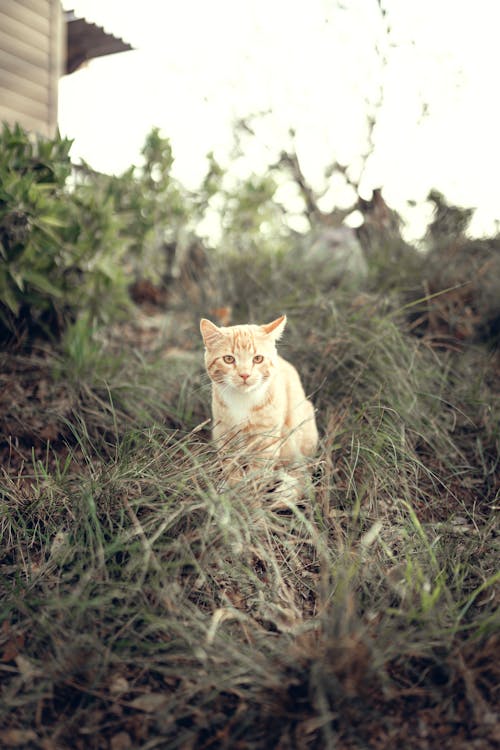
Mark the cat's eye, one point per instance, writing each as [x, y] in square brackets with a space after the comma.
[228, 359]
[258, 359]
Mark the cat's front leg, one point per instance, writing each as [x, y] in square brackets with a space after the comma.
[230, 452]
[244, 457]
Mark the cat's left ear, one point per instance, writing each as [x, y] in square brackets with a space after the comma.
[211, 334]
[276, 328]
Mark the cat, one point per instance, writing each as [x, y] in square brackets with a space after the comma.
[259, 408]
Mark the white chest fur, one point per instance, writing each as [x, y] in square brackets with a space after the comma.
[240, 402]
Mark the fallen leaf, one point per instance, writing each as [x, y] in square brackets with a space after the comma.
[49, 432]
[26, 668]
[16, 737]
[10, 651]
[58, 543]
[14, 642]
[120, 741]
[149, 702]
[118, 685]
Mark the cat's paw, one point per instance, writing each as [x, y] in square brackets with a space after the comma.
[230, 480]
[286, 490]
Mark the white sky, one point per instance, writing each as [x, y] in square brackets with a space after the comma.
[313, 65]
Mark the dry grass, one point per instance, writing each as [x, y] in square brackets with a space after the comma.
[141, 607]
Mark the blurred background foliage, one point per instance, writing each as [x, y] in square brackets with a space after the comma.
[74, 242]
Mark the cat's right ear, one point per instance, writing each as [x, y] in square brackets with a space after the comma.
[210, 333]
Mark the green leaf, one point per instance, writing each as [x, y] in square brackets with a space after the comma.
[47, 230]
[8, 297]
[53, 221]
[17, 277]
[41, 282]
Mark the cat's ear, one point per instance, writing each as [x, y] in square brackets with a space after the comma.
[211, 334]
[276, 328]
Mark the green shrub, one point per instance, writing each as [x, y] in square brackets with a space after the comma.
[59, 246]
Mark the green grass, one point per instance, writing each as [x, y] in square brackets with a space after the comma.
[142, 606]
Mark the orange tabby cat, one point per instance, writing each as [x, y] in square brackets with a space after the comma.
[258, 403]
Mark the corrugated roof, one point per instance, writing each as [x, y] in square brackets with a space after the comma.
[86, 40]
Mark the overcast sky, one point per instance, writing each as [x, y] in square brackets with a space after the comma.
[319, 66]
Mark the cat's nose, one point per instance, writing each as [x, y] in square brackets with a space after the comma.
[245, 376]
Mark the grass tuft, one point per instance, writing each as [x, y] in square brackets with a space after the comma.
[144, 607]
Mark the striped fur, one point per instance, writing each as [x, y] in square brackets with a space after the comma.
[259, 407]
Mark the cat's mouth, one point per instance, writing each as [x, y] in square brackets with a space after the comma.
[246, 386]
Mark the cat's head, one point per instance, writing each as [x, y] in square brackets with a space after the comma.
[241, 357]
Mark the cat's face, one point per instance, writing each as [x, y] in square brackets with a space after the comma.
[241, 358]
